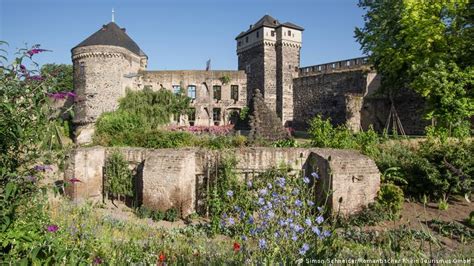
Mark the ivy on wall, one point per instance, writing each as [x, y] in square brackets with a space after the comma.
[118, 177]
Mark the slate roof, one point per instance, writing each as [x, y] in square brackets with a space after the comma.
[112, 34]
[270, 22]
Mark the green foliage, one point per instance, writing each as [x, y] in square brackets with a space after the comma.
[390, 198]
[153, 108]
[433, 169]
[63, 75]
[443, 204]
[470, 219]
[119, 179]
[426, 46]
[171, 215]
[225, 80]
[244, 113]
[324, 135]
[370, 215]
[453, 230]
[285, 143]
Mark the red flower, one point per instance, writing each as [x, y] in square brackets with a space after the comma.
[236, 247]
[161, 257]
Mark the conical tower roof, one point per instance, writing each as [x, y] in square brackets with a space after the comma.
[112, 34]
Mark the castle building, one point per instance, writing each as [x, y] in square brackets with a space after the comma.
[109, 62]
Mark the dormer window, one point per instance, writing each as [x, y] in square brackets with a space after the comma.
[273, 33]
[289, 33]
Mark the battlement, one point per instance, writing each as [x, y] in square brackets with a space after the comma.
[337, 66]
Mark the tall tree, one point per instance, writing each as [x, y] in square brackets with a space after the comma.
[425, 46]
[62, 74]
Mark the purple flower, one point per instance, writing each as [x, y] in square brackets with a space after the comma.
[52, 228]
[319, 219]
[35, 51]
[304, 248]
[320, 209]
[282, 222]
[306, 180]
[231, 221]
[315, 175]
[43, 168]
[263, 192]
[249, 183]
[308, 221]
[269, 186]
[97, 260]
[261, 201]
[230, 193]
[31, 178]
[326, 233]
[294, 237]
[281, 182]
[251, 220]
[244, 238]
[262, 243]
[298, 203]
[316, 230]
[310, 203]
[71, 94]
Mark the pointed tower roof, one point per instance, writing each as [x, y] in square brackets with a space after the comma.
[112, 34]
[270, 22]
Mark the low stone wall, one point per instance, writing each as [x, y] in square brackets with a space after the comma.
[169, 178]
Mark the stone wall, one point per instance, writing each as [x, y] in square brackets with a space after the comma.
[327, 95]
[170, 177]
[204, 103]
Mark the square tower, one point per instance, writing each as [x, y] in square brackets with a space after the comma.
[269, 52]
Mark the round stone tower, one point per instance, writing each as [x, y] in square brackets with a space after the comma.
[104, 64]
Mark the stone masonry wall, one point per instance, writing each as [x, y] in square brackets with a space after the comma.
[204, 103]
[169, 177]
[325, 94]
[288, 63]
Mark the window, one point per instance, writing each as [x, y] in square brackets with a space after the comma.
[273, 33]
[258, 34]
[247, 69]
[176, 89]
[240, 43]
[289, 66]
[217, 92]
[192, 116]
[234, 92]
[247, 39]
[192, 92]
[289, 33]
[216, 115]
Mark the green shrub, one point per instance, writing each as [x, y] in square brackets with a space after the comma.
[143, 212]
[171, 215]
[470, 219]
[285, 143]
[157, 216]
[119, 179]
[390, 197]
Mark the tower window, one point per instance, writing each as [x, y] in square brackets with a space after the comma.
[258, 34]
[247, 69]
[82, 67]
[176, 89]
[289, 33]
[247, 39]
[234, 92]
[273, 33]
[192, 92]
[240, 43]
[217, 92]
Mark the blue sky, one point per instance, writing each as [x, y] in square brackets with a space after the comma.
[180, 34]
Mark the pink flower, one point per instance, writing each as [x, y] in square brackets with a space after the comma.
[35, 51]
[52, 228]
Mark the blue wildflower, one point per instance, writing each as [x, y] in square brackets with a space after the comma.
[237, 208]
[263, 192]
[316, 230]
[262, 243]
[310, 203]
[294, 237]
[269, 205]
[249, 183]
[281, 182]
[320, 209]
[306, 180]
[276, 234]
[326, 233]
[282, 222]
[274, 195]
[261, 201]
[315, 175]
[304, 248]
[271, 214]
[308, 222]
[298, 203]
[244, 238]
[295, 213]
[230, 193]
[269, 186]
[319, 219]
[231, 221]
[251, 220]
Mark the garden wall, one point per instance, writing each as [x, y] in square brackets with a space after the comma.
[175, 177]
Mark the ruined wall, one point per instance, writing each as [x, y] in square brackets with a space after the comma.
[204, 103]
[327, 94]
[171, 177]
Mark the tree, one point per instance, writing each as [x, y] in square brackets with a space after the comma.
[425, 46]
[63, 75]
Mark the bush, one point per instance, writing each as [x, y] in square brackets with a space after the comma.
[171, 215]
[390, 197]
[118, 177]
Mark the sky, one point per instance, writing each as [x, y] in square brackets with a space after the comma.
[180, 34]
